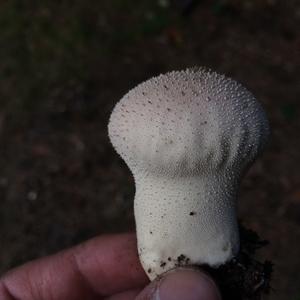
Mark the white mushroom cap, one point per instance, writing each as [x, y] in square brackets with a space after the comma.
[187, 136]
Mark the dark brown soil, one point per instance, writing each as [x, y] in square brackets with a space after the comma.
[63, 68]
[244, 277]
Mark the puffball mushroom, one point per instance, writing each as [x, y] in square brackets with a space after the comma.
[188, 137]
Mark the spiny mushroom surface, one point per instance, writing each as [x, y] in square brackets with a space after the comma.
[188, 137]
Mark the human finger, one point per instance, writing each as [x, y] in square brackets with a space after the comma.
[103, 266]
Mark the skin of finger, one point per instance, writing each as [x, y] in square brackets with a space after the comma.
[187, 283]
[4, 293]
[128, 295]
[102, 266]
[53, 277]
[182, 283]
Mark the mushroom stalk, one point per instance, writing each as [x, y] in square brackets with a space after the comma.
[184, 224]
[187, 137]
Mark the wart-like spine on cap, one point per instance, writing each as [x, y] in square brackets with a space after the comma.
[188, 137]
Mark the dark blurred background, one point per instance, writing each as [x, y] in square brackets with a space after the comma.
[63, 66]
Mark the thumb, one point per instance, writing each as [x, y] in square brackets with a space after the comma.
[181, 284]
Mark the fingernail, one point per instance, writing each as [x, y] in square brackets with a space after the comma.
[182, 284]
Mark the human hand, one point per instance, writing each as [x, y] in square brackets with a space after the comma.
[106, 267]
